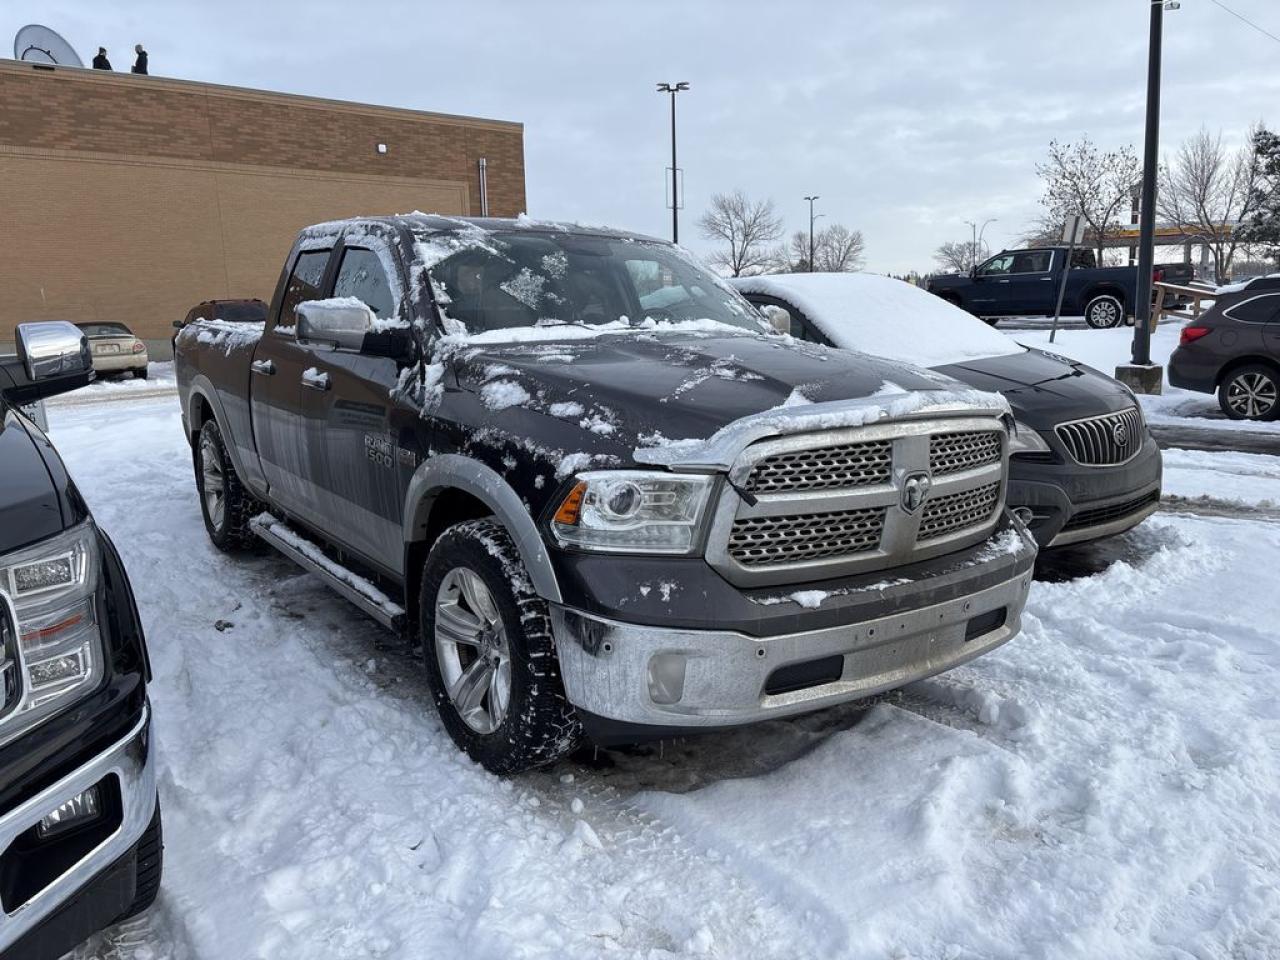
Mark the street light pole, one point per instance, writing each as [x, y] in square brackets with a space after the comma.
[977, 237]
[673, 89]
[1141, 375]
[811, 199]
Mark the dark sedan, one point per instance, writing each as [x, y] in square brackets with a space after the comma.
[1083, 463]
[1234, 351]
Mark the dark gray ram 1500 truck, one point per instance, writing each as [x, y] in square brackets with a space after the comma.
[609, 504]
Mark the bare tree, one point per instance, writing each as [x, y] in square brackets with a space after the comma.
[1207, 190]
[1080, 178]
[960, 256]
[745, 228]
[836, 249]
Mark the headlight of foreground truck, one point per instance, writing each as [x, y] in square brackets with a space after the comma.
[1024, 439]
[633, 511]
[50, 646]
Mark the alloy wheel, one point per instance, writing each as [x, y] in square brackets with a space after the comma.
[1104, 314]
[1252, 395]
[472, 650]
[213, 483]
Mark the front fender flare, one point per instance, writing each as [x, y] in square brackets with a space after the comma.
[453, 471]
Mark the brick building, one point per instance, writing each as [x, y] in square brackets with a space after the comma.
[132, 198]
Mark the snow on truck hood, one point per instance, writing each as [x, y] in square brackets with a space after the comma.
[682, 396]
[883, 316]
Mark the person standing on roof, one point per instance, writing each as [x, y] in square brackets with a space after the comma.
[100, 62]
[139, 65]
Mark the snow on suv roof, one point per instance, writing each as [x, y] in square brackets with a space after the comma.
[883, 316]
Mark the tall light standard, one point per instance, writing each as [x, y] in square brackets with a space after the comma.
[1141, 374]
[673, 89]
[977, 238]
[811, 219]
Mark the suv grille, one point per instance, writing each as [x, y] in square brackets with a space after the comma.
[953, 452]
[844, 465]
[8, 661]
[800, 537]
[958, 510]
[1103, 441]
[1117, 511]
[805, 507]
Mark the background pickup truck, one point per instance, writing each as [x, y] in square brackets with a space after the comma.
[575, 466]
[1024, 283]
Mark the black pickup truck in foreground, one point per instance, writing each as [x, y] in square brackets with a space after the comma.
[80, 842]
[1024, 283]
[573, 464]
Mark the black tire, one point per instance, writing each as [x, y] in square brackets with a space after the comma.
[1104, 311]
[149, 867]
[1250, 392]
[539, 725]
[229, 532]
[139, 373]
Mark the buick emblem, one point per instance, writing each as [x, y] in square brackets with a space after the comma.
[915, 488]
[1120, 434]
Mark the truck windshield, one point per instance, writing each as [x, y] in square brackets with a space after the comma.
[528, 279]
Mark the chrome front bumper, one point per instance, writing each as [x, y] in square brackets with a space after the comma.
[132, 760]
[609, 667]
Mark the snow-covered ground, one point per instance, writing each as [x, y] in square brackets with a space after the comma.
[1103, 786]
[1106, 349]
[160, 381]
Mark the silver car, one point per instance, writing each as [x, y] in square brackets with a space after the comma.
[114, 347]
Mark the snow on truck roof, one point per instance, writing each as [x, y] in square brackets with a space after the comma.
[885, 317]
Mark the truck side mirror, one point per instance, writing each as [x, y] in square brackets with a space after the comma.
[349, 324]
[53, 357]
[342, 321]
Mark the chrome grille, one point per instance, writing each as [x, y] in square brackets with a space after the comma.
[799, 537]
[822, 468]
[956, 511]
[809, 506]
[1103, 441]
[8, 661]
[953, 452]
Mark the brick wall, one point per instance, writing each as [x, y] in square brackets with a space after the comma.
[132, 198]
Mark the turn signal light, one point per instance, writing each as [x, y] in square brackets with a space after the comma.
[1190, 334]
[571, 507]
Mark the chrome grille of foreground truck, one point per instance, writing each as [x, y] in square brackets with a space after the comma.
[817, 505]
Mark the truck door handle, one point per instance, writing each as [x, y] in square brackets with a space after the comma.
[315, 380]
[264, 367]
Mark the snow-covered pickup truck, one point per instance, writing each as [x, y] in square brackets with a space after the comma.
[606, 498]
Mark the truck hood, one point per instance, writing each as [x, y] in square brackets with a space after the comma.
[633, 387]
[1043, 388]
[30, 505]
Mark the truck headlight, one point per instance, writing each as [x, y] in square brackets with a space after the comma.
[633, 511]
[50, 618]
[1024, 439]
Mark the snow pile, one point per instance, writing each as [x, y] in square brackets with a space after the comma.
[885, 317]
[501, 394]
[229, 336]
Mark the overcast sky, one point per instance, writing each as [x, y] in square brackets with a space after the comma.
[906, 117]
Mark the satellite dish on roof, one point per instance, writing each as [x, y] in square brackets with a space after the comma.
[39, 44]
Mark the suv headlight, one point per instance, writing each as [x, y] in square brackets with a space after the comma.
[48, 626]
[1025, 439]
[633, 511]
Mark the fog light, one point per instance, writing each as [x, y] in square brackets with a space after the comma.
[666, 678]
[75, 812]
